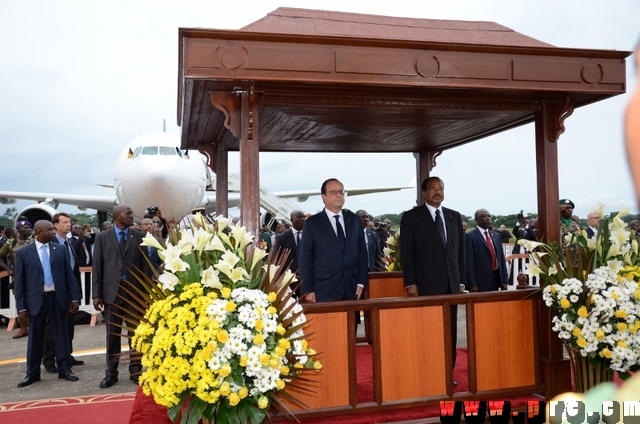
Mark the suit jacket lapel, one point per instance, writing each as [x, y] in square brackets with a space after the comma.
[431, 224]
[34, 254]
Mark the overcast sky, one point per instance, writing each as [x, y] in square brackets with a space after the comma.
[80, 79]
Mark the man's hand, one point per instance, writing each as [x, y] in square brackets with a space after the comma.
[412, 290]
[309, 297]
[359, 291]
[23, 316]
[97, 304]
[75, 306]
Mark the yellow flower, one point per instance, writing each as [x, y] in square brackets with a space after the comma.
[271, 297]
[621, 326]
[225, 389]
[614, 295]
[264, 359]
[606, 353]
[280, 384]
[622, 343]
[284, 343]
[231, 306]
[258, 339]
[317, 365]
[280, 329]
[243, 361]
[284, 370]
[581, 342]
[634, 327]
[637, 294]
[565, 303]
[620, 313]
[223, 336]
[225, 370]
[234, 399]
[577, 332]
[226, 292]
[311, 352]
[259, 325]
[552, 289]
[243, 392]
[582, 312]
[271, 310]
[599, 334]
[263, 402]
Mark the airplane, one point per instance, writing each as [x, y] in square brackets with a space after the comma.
[152, 170]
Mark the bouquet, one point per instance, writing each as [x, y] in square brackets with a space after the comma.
[221, 335]
[592, 284]
[392, 253]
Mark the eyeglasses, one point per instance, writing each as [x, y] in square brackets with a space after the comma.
[336, 192]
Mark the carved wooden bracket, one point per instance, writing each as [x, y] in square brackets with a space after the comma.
[558, 113]
[228, 104]
[432, 159]
[211, 152]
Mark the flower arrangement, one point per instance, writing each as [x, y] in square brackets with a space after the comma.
[593, 286]
[392, 253]
[222, 334]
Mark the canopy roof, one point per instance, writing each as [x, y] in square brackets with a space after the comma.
[344, 82]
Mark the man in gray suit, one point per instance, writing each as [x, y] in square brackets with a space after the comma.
[117, 256]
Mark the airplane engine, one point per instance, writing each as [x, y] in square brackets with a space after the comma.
[37, 212]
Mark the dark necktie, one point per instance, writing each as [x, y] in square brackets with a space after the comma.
[122, 241]
[339, 230]
[298, 239]
[440, 227]
[494, 260]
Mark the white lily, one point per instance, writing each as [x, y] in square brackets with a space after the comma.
[200, 239]
[241, 236]
[151, 241]
[210, 278]
[387, 251]
[258, 254]
[168, 280]
[215, 243]
[223, 223]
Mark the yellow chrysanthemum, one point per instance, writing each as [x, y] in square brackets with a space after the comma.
[581, 342]
[243, 392]
[280, 329]
[225, 389]
[622, 343]
[614, 295]
[223, 336]
[259, 325]
[231, 306]
[620, 313]
[606, 353]
[284, 370]
[284, 343]
[599, 334]
[577, 332]
[258, 339]
[565, 303]
[317, 365]
[582, 312]
[621, 326]
[271, 297]
[264, 359]
[271, 310]
[280, 384]
[225, 292]
[225, 370]
[243, 361]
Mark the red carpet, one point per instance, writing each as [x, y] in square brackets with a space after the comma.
[146, 411]
[103, 409]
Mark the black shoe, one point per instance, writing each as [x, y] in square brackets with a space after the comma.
[134, 378]
[76, 362]
[69, 376]
[455, 383]
[108, 382]
[28, 380]
[51, 369]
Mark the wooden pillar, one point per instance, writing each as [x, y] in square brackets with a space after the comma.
[249, 163]
[222, 182]
[555, 369]
[425, 162]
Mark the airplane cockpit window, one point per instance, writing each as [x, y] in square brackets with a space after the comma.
[150, 150]
[136, 152]
[179, 152]
[167, 151]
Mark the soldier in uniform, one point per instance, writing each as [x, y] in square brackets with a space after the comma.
[8, 260]
[568, 226]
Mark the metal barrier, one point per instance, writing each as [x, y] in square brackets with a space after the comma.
[8, 300]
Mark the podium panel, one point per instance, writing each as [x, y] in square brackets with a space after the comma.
[330, 387]
[386, 284]
[504, 336]
[412, 353]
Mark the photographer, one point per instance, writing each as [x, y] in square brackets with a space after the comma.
[522, 230]
[155, 214]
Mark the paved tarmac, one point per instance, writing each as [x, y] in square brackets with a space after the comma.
[88, 346]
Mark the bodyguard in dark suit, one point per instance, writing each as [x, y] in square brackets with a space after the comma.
[290, 239]
[81, 245]
[432, 246]
[374, 254]
[45, 288]
[486, 267]
[333, 258]
[116, 255]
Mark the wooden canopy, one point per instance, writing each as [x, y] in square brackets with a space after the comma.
[309, 80]
[319, 81]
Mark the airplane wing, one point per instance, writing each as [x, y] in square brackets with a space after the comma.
[302, 196]
[102, 203]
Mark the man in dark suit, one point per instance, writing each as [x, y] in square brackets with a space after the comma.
[45, 288]
[486, 267]
[593, 221]
[81, 243]
[62, 224]
[333, 258]
[117, 256]
[432, 246]
[374, 254]
[290, 239]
